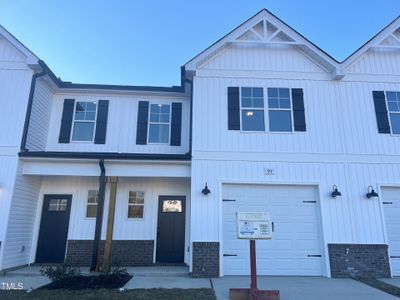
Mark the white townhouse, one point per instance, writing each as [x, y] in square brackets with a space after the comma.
[263, 120]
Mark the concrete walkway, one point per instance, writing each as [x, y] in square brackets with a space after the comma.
[298, 288]
[393, 281]
[25, 278]
[168, 282]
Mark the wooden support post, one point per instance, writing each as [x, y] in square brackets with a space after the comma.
[110, 224]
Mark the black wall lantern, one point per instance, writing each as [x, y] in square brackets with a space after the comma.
[335, 193]
[371, 193]
[206, 190]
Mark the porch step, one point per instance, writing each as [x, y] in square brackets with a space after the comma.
[159, 271]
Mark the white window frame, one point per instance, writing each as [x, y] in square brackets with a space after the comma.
[280, 109]
[389, 112]
[84, 121]
[251, 108]
[91, 204]
[159, 123]
[136, 204]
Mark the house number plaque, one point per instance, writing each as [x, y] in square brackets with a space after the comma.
[269, 171]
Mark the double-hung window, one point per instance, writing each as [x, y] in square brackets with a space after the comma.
[279, 110]
[84, 121]
[159, 123]
[135, 205]
[252, 109]
[393, 105]
[92, 203]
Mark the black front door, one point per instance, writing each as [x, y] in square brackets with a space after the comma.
[171, 229]
[53, 229]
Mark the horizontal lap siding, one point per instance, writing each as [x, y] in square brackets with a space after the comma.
[351, 218]
[40, 117]
[21, 221]
[121, 126]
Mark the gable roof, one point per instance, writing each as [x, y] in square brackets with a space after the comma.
[388, 37]
[31, 58]
[264, 28]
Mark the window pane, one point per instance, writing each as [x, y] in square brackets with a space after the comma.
[272, 92]
[58, 204]
[154, 117]
[280, 121]
[91, 211]
[258, 92]
[273, 103]
[135, 211]
[172, 206]
[284, 103]
[80, 106]
[252, 120]
[93, 196]
[83, 131]
[164, 109]
[246, 92]
[90, 116]
[284, 93]
[79, 116]
[246, 102]
[391, 96]
[159, 133]
[395, 123]
[258, 102]
[154, 109]
[136, 197]
[393, 106]
[91, 106]
[164, 118]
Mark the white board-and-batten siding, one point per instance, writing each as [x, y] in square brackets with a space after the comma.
[82, 228]
[121, 125]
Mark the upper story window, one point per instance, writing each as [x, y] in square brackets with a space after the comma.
[393, 105]
[279, 110]
[84, 121]
[159, 123]
[277, 115]
[252, 109]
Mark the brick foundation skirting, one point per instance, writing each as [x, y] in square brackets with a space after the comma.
[205, 259]
[123, 252]
[359, 260]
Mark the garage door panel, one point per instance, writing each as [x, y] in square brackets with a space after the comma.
[294, 211]
[391, 208]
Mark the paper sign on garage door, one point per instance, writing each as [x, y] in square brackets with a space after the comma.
[253, 225]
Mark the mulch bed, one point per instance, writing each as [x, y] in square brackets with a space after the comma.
[88, 282]
[380, 285]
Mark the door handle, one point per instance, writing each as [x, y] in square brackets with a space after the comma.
[273, 226]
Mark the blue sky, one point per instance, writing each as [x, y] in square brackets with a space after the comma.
[145, 42]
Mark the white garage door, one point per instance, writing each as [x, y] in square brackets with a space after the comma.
[391, 207]
[296, 246]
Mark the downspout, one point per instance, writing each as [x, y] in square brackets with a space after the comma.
[29, 109]
[99, 217]
[191, 115]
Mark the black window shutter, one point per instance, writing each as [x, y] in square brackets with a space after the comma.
[176, 124]
[299, 118]
[101, 122]
[66, 121]
[381, 112]
[142, 120]
[233, 108]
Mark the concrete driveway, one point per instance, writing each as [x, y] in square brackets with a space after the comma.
[301, 288]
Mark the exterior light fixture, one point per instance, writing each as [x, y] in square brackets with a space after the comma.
[206, 190]
[371, 193]
[335, 193]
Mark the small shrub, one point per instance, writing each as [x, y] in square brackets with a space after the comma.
[60, 272]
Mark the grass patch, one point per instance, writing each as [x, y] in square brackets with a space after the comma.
[107, 294]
